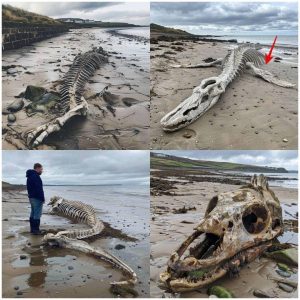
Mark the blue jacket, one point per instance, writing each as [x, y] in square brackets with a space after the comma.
[34, 185]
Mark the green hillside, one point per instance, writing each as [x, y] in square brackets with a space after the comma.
[167, 30]
[169, 161]
[17, 15]
[8, 186]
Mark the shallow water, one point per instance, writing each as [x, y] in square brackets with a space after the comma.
[137, 31]
[282, 40]
[290, 217]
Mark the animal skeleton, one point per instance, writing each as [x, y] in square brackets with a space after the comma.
[72, 102]
[207, 94]
[72, 239]
[237, 227]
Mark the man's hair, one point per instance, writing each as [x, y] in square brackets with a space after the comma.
[37, 165]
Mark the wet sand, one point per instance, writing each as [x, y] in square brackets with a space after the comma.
[168, 231]
[252, 114]
[56, 272]
[117, 120]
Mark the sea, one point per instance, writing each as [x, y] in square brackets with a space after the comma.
[136, 31]
[282, 40]
[125, 207]
[286, 180]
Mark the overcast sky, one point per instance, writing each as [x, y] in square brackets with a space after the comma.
[129, 12]
[79, 167]
[287, 159]
[228, 18]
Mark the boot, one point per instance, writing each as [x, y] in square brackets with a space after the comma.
[31, 224]
[36, 227]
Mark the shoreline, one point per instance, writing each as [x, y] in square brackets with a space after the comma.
[138, 38]
[214, 38]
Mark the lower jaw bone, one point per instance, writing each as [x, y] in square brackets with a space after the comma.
[184, 284]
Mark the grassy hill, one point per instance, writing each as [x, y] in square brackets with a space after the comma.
[17, 15]
[8, 187]
[167, 162]
[158, 29]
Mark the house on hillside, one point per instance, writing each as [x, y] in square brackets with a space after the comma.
[76, 20]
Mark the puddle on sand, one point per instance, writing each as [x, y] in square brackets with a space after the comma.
[290, 217]
[53, 272]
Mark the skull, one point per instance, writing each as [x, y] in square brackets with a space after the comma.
[55, 201]
[203, 98]
[237, 227]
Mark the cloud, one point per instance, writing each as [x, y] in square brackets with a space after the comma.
[287, 159]
[79, 167]
[227, 17]
[135, 13]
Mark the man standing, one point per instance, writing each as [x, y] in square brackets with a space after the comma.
[36, 197]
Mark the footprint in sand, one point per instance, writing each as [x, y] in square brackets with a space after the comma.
[189, 133]
[129, 101]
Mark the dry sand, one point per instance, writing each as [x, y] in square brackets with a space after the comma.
[168, 231]
[118, 120]
[252, 114]
[54, 272]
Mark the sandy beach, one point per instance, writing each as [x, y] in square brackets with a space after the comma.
[117, 119]
[169, 229]
[31, 269]
[252, 114]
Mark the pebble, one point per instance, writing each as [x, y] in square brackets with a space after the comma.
[119, 247]
[187, 135]
[285, 140]
[11, 118]
[283, 273]
[285, 287]
[16, 288]
[16, 105]
[70, 268]
[23, 256]
[261, 294]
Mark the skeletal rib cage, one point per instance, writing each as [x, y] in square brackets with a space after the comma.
[235, 61]
[72, 239]
[82, 213]
[83, 67]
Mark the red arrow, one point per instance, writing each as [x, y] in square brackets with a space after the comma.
[269, 56]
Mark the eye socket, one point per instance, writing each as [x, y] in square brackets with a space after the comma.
[208, 82]
[255, 219]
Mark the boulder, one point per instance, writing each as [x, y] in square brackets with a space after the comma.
[11, 118]
[287, 256]
[15, 106]
[220, 292]
[34, 93]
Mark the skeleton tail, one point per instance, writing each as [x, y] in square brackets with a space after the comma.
[105, 256]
